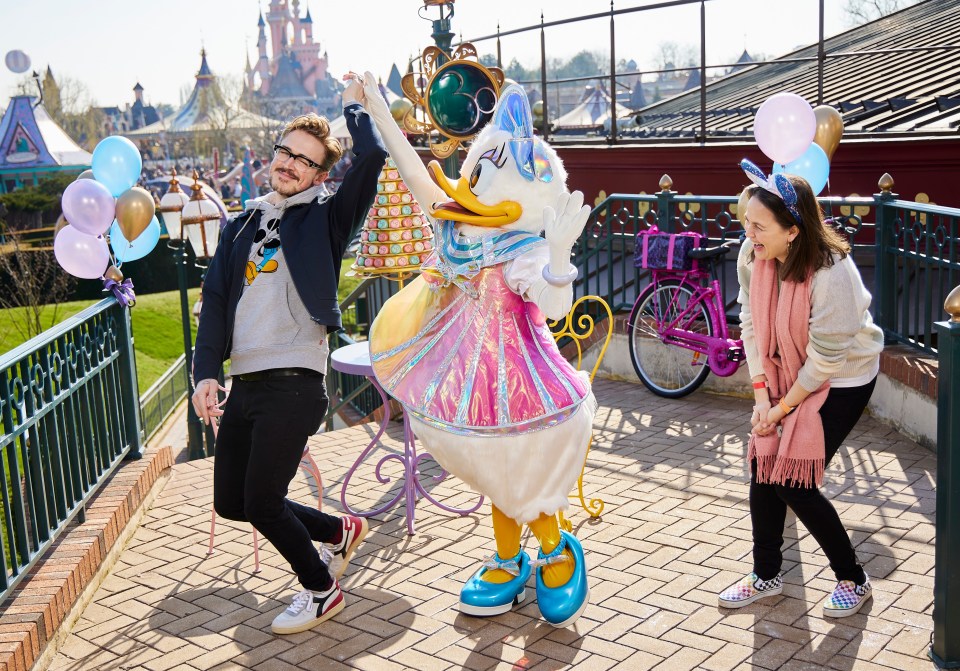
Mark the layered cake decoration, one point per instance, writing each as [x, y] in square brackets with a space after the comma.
[397, 236]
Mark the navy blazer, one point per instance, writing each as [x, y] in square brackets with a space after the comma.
[314, 237]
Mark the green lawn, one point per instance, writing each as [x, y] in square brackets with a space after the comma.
[157, 333]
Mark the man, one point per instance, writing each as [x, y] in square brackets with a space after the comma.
[270, 298]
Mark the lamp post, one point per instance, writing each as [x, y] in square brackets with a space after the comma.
[171, 207]
[443, 36]
[200, 220]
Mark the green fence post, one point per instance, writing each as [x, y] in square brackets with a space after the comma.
[945, 648]
[129, 392]
[885, 265]
[665, 205]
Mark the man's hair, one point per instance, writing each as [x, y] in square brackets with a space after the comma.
[319, 128]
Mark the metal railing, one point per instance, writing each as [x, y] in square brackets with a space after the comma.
[611, 76]
[162, 398]
[908, 253]
[69, 413]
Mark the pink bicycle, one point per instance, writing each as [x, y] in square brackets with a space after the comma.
[678, 326]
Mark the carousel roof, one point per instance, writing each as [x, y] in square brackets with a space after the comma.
[207, 110]
[30, 139]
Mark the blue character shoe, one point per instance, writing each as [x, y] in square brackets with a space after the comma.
[484, 599]
[561, 606]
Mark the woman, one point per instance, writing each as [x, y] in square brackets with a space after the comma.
[813, 353]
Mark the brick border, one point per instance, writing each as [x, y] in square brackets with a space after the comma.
[40, 604]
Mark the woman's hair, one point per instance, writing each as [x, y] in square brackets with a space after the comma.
[815, 244]
[319, 128]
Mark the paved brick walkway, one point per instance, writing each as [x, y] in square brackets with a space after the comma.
[675, 532]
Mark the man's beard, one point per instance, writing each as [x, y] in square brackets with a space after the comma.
[287, 190]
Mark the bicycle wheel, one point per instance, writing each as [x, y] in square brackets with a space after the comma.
[667, 369]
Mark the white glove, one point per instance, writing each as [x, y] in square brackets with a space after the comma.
[563, 226]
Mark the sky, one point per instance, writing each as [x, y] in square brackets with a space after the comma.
[110, 45]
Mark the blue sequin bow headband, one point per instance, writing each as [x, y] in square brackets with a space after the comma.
[777, 184]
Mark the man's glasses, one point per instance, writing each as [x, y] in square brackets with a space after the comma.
[284, 154]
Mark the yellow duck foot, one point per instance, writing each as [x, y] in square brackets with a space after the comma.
[558, 574]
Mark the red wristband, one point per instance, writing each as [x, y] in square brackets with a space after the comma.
[759, 385]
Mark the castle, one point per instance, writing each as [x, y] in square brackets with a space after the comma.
[293, 78]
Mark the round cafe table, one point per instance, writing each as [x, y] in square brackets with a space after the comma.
[355, 360]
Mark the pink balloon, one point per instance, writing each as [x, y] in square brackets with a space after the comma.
[784, 127]
[81, 255]
[88, 206]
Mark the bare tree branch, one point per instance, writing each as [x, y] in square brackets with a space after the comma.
[36, 282]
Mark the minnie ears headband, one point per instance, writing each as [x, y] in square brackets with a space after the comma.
[777, 184]
[513, 115]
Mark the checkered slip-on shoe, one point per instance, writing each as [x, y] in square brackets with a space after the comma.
[748, 589]
[848, 598]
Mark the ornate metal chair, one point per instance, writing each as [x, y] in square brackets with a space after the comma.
[580, 327]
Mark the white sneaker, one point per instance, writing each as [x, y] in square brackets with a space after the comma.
[308, 610]
[354, 531]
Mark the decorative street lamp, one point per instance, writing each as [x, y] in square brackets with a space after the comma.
[174, 206]
[442, 37]
[200, 220]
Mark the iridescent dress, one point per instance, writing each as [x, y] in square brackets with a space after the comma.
[480, 376]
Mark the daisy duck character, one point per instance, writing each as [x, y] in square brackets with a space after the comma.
[466, 349]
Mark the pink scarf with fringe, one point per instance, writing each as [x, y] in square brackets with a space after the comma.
[781, 324]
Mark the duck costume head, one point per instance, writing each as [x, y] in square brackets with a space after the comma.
[466, 349]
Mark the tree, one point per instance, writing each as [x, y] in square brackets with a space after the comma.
[858, 12]
[35, 284]
[673, 55]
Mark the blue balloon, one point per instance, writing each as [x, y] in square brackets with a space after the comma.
[142, 245]
[116, 164]
[813, 166]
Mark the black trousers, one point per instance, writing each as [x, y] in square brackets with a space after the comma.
[768, 503]
[263, 430]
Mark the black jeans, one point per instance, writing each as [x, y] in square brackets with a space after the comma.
[263, 430]
[768, 503]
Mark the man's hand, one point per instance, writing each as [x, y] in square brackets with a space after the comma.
[205, 400]
[354, 91]
[562, 226]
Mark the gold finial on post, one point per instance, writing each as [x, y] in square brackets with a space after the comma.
[885, 183]
[666, 183]
[952, 305]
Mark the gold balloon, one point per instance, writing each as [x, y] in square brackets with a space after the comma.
[135, 209]
[829, 129]
[86, 174]
[113, 273]
[742, 204]
[61, 222]
[399, 109]
[538, 109]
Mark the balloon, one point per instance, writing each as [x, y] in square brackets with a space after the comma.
[81, 255]
[88, 206]
[113, 273]
[124, 250]
[116, 164]
[784, 127]
[86, 174]
[17, 61]
[829, 129]
[399, 109]
[813, 166]
[61, 222]
[135, 209]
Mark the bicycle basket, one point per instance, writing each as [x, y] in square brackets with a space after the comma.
[665, 251]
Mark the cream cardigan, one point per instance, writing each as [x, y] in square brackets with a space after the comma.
[844, 345]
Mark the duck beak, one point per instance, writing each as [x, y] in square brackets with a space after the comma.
[465, 207]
